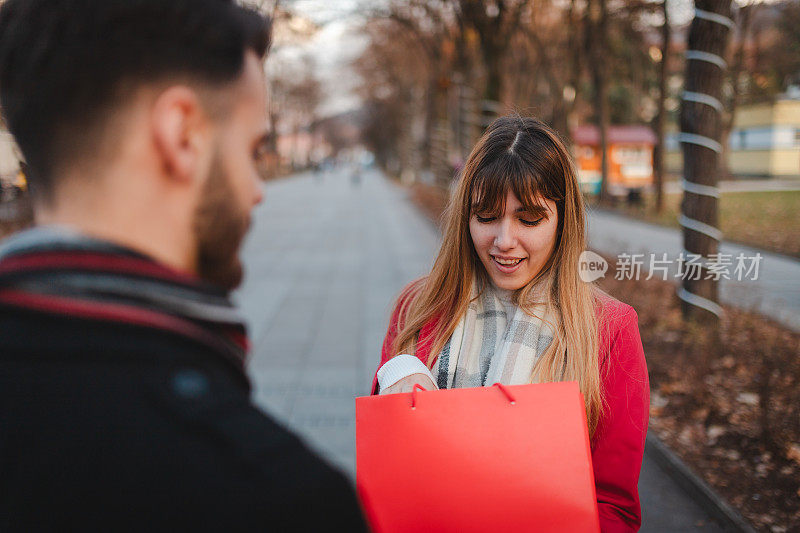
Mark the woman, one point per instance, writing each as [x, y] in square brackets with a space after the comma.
[505, 303]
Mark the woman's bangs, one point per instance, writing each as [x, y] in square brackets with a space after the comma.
[493, 183]
[531, 193]
[489, 192]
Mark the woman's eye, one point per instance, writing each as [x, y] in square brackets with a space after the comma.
[531, 222]
[261, 149]
[259, 152]
[484, 220]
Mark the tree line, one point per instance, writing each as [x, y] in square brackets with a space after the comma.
[436, 71]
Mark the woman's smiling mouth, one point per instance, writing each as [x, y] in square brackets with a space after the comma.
[507, 264]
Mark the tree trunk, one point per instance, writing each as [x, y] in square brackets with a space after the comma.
[601, 102]
[660, 148]
[431, 108]
[556, 81]
[745, 12]
[560, 121]
[491, 93]
[700, 135]
[597, 27]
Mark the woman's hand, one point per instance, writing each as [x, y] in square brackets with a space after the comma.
[407, 384]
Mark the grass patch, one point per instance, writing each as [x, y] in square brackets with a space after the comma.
[766, 220]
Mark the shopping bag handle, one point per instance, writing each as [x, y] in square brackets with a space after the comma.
[500, 386]
[507, 392]
[417, 387]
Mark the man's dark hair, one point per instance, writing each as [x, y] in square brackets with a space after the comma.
[66, 64]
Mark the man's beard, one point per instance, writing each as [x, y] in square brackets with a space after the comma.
[220, 227]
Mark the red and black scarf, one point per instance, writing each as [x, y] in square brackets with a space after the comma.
[53, 270]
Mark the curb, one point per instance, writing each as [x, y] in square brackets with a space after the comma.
[714, 504]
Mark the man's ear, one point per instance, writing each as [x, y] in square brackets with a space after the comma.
[180, 132]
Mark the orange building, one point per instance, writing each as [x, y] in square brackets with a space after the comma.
[630, 158]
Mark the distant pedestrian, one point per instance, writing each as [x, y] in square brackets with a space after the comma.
[124, 403]
[505, 303]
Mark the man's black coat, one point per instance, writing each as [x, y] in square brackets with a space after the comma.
[108, 427]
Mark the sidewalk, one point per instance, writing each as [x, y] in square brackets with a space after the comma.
[324, 262]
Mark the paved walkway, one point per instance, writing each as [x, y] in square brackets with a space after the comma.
[747, 185]
[775, 293]
[325, 261]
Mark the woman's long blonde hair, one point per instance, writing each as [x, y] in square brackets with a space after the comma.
[524, 156]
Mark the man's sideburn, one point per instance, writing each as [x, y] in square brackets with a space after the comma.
[220, 226]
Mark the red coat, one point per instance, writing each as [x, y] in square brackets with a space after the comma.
[618, 442]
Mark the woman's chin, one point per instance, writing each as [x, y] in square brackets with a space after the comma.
[507, 284]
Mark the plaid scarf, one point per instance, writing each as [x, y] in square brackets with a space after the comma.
[489, 347]
[54, 270]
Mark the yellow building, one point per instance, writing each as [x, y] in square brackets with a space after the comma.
[764, 142]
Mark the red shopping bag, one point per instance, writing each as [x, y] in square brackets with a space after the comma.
[502, 458]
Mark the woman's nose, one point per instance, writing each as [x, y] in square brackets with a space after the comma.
[258, 196]
[257, 191]
[504, 238]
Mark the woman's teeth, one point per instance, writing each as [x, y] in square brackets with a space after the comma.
[507, 262]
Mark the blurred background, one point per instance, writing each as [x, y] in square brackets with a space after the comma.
[375, 106]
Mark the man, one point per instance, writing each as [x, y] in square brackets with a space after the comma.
[124, 403]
